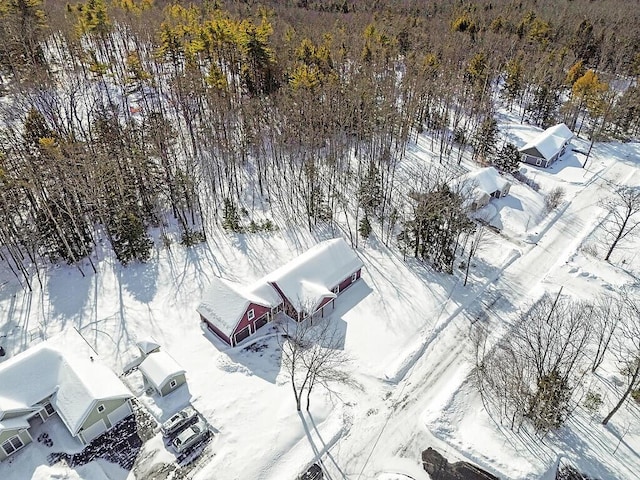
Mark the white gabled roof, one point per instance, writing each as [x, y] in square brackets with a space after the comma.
[82, 384]
[159, 368]
[224, 302]
[147, 346]
[74, 383]
[486, 180]
[15, 423]
[309, 278]
[305, 281]
[550, 142]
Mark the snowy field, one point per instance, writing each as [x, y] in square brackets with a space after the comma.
[405, 329]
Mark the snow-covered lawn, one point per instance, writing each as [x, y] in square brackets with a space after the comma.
[405, 329]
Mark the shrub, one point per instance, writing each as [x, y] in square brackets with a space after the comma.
[191, 237]
[554, 199]
[592, 402]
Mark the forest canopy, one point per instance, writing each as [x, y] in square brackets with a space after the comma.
[119, 116]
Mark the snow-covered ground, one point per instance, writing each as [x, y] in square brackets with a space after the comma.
[405, 329]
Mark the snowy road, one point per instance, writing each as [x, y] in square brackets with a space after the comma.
[443, 366]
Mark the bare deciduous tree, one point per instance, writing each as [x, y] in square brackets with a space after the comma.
[623, 208]
[532, 373]
[312, 356]
[606, 316]
[628, 349]
[474, 245]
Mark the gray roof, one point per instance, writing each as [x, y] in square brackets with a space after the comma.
[549, 142]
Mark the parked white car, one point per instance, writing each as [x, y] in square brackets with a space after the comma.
[191, 435]
[177, 421]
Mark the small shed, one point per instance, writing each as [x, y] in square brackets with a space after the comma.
[483, 184]
[162, 373]
[147, 346]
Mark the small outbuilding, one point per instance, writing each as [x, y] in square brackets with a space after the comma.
[161, 373]
[481, 185]
[548, 146]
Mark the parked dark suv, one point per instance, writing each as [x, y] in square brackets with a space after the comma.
[313, 473]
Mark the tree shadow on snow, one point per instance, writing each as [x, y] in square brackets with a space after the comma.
[320, 447]
[259, 355]
[141, 279]
[68, 292]
[571, 439]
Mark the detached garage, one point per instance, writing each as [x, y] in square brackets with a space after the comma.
[161, 373]
[233, 312]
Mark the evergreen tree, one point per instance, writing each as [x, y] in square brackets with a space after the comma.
[485, 140]
[231, 218]
[130, 241]
[433, 232]
[365, 227]
[507, 159]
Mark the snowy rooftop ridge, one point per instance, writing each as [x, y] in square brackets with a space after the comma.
[73, 381]
[549, 142]
[305, 281]
[487, 180]
[226, 301]
[159, 367]
[309, 278]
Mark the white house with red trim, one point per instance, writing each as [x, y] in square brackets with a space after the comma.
[306, 286]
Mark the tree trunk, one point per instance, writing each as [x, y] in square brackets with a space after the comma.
[618, 237]
[632, 383]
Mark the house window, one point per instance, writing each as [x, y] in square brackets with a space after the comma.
[49, 409]
[354, 277]
[251, 314]
[538, 162]
[100, 408]
[13, 444]
[173, 383]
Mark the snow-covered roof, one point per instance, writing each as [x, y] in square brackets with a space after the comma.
[486, 180]
[309, 278]
[159, 368]
[305, 281]
[15, 423]
[549, 142]
[224, 302]
[74, 383]
[147, 346]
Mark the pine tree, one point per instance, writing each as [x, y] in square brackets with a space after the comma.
[365, 227]
[485, 140]
[507, 159]
[130, 241]
[231, 218]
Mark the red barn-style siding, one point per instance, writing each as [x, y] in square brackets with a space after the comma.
[311, 280]
[347, 282]
[215, 330]
[259, 311]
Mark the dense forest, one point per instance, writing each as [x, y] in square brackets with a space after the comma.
[118, 117]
